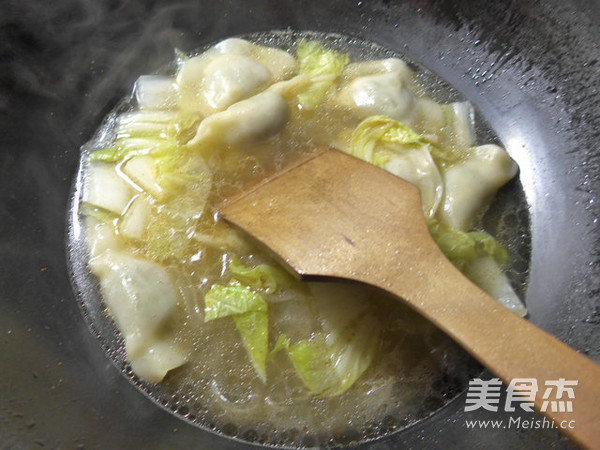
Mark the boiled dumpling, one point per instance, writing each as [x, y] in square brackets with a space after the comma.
[388, 65]
[244, 122]
[231, 78]
[212, 82]
[189, 83]
[383, 94]
[141, 298]
[154, 361]
[416, 166]
[231, 71]
[382, 88]
[280, 63]
[235, 46]
[471, 184]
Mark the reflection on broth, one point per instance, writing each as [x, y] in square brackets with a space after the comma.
[211, 326]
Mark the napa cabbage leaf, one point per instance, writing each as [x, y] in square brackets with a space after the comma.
[374, 138]
[250, 314]
[253, 327]
[400, 150]
[234, 299]
[141, 297]
[329, 364]
[480, 257]
[323, 66]
[282, 343]
[265, 277]
[377, 130]
[155, 133]
[461, 247]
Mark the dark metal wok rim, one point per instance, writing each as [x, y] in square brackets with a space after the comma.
[542, 57]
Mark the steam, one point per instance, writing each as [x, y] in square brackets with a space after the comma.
[83, 55]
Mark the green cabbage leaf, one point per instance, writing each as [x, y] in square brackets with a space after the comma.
[375, 130]
[154, 133]
[250, 314]
[223, 301]
[329, 364]
[461, 247]
[282, 343]
[480, 258]
[261, 277]
[371, 141]
[253, 326]
[323, 66]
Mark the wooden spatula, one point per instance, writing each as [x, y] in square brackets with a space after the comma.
[335, 216]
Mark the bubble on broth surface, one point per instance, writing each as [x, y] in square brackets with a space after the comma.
[433, 370]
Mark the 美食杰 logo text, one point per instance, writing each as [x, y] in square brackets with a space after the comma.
[556, 396]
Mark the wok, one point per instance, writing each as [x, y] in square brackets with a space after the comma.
[531, 68]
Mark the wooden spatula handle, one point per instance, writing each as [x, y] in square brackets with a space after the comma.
[513, 348]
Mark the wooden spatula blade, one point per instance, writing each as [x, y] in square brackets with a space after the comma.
[302, 215]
